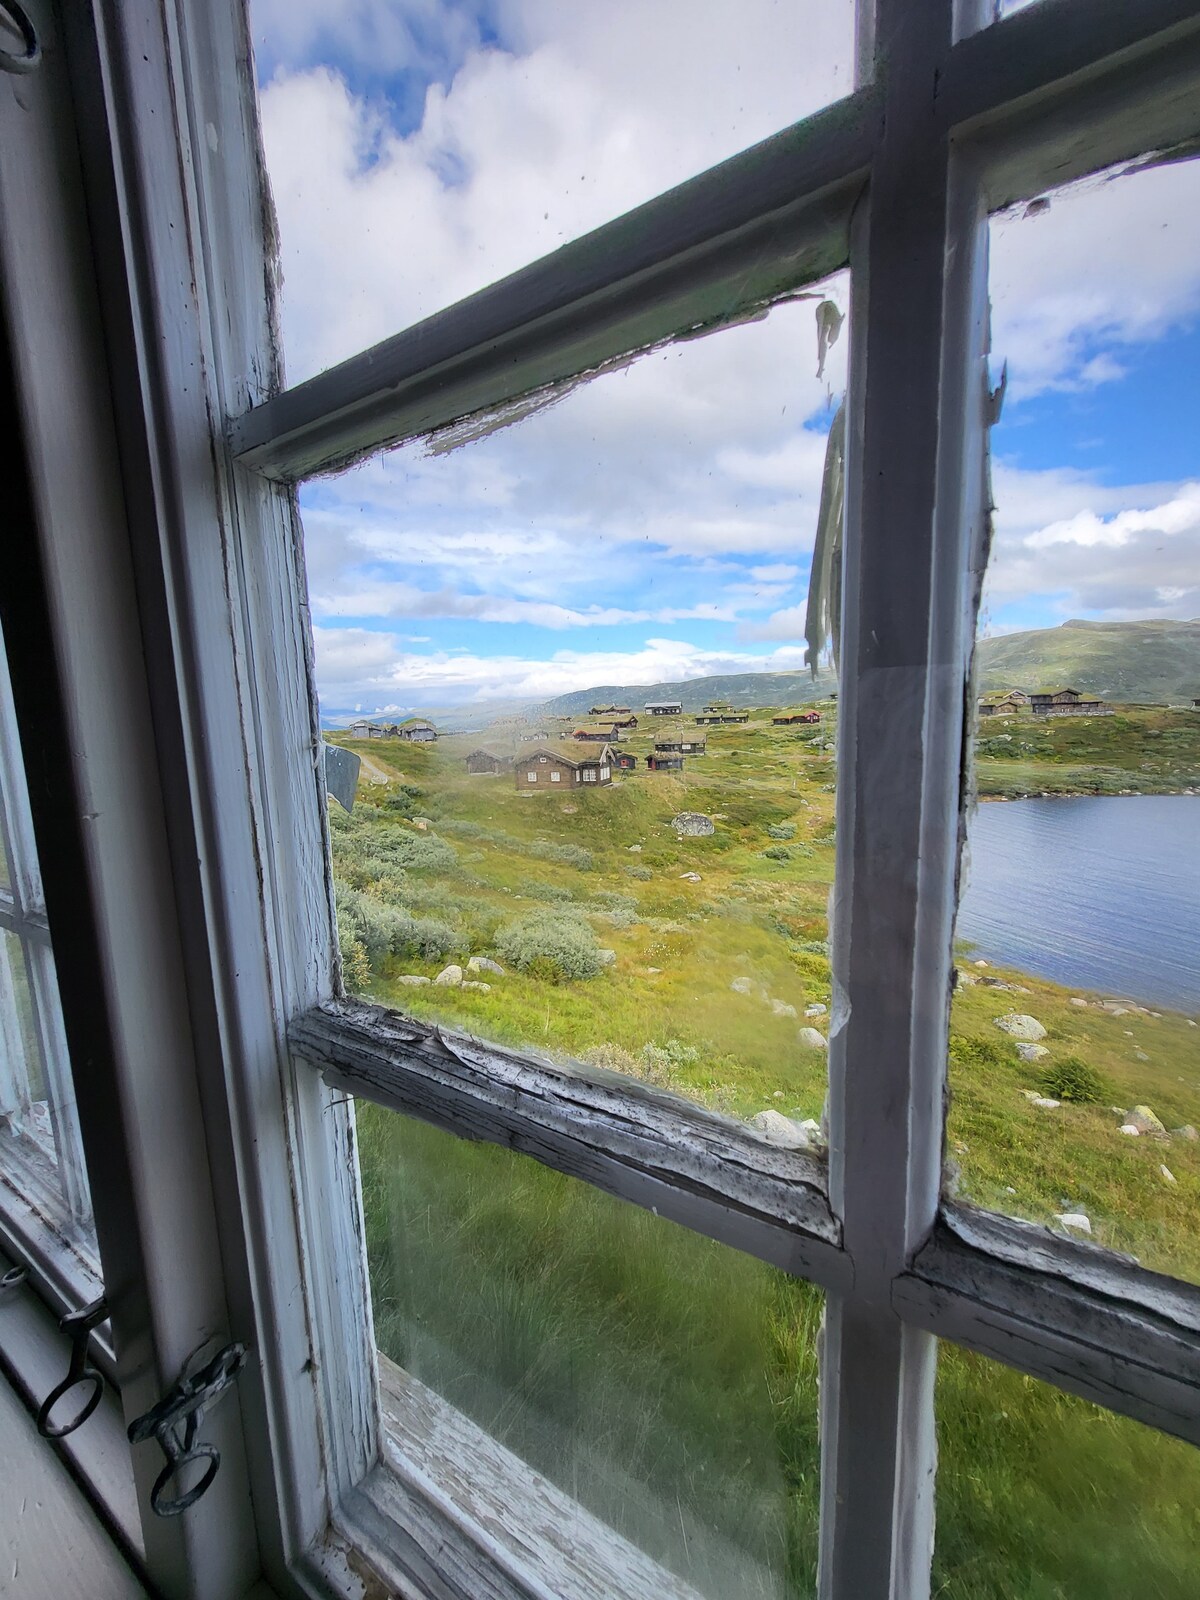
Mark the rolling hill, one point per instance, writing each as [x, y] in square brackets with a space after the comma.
[1141, 663]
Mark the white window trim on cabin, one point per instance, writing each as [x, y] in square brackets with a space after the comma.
[185, 680]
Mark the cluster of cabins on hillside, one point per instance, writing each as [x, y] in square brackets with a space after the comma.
[1043, 703]
[570, 763]
[418, 730]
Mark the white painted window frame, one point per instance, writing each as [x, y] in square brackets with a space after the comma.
[183, 681]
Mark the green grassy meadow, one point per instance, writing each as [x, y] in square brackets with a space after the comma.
[670, 1383]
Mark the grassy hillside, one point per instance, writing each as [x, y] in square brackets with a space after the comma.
[1139, 750]
[1144, 663]
[668, 1383]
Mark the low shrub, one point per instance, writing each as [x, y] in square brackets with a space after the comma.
[782, 830]
[1075, 1080]
[553, 893]
[966, 1050]
[549, 944]
[777, 852]
[384, 930]
[567, 855]
[642, 874]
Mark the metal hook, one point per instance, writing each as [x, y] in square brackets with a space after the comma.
[13, 1278]
[185, 1404]
[77, 1325]
[19, 18]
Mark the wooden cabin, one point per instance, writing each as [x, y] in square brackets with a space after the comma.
[610, 711]
[484, 760]
[624, 761]
[1066, 703]
[665, 763]
[672, 746]
[548, 768]
[609, 734]
[418, 730]
[692, 746]
[999, 706]
[663, 708]
[789, 717]
[363, 729]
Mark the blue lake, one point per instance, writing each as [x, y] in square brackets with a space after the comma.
[1094, 892]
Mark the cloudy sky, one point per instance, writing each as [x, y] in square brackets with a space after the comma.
[658, 523]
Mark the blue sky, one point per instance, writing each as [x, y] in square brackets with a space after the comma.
[657, 524]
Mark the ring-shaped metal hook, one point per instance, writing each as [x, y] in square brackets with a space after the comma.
[13, 1278]
[173, 1508]
[19, 17]
[61, 1430]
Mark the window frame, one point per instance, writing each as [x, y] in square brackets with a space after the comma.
[224, 811]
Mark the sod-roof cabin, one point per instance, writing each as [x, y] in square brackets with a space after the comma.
[547, 768]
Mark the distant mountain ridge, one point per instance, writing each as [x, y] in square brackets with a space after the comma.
[1137, 663]
[737, 688]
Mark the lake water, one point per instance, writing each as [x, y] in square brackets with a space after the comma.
[1094, 892]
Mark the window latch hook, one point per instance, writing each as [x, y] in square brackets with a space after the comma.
[77, 1325]
[175, 1422]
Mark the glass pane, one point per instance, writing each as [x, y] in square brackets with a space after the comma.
[598, 778]
[418, 150]
[1075, 1055]
[1043, 1496]
[666, 1383]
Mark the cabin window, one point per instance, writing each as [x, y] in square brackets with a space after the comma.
[533, 1308]
[555, 777]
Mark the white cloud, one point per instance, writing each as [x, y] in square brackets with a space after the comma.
[579, 114]
[458, 677]
[1117, 553]
[1112, 262]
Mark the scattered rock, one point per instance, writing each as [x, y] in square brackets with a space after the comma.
[485, 964]
[1141, 1055]
[652, 972]
[1008, 1189]
[1128, 1127]
[473, 983]
[742, 985]
[1019, 1026]
[1113, 1009]
[1043, 1102]
[421, 823]
[964, 979]
[412, 979]
[1032, 1052]
[450, 977]
[693, 824]
[815, 1010]
[1075, 1000]
[1186, 1132]
[981, 963]
[636, 848]
[607, 958]
[779, 1130]
[782, 1009]
[1168, 1175]
[1144, 1120]
[811, 1039]
[569, 811]
[689, 877]
[812, 1128]
[1073, 1219]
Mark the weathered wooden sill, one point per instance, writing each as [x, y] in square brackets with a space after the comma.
[638, 1143]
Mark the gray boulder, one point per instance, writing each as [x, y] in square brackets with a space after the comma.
[485, 964]
[450, 977]
[1144, 1120]
[1019, 1026]
[412, 979]
[742, 985]
[779, 1130]
[811, 1039]
[693, 825]
[782, 1009]
[1031, 1052]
